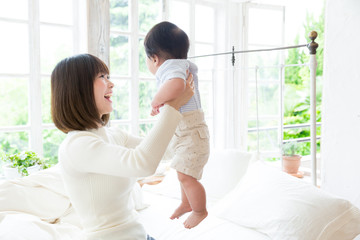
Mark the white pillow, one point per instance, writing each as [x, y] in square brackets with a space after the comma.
[223, 171]
[284, 207]
[221, 174]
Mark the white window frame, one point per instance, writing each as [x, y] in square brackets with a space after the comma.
[230, 30]
[35, 126]
[134, 120]
[280, 82]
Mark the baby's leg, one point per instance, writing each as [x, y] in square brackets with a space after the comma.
[196, 196]
[184, 206]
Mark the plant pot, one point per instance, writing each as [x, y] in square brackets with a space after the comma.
[12, 173]
[291, 164]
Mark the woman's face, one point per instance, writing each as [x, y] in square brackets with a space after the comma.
[103, 92]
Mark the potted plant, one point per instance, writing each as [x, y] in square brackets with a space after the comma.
[22, 164]
[291, 160]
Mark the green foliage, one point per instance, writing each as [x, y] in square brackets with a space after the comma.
[13, 112]
[147, 90]
[119, 12]
[149, 14]
[23, 160]
[297, 99]
[290, 148]
[318, 25]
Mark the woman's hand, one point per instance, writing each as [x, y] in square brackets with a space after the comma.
[185, 96]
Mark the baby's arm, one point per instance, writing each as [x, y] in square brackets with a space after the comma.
[170, 90]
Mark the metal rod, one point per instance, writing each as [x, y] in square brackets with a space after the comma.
[312, 46]
[248, 51]
[304, 139]
[282, 107]
[302, 125]
[257, 111]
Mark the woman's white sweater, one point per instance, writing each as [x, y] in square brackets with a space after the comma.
[100, 168]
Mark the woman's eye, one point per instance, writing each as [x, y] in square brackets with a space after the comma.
[107, 77]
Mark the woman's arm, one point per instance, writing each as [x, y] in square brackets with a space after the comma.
[132, 141]
[88, 153]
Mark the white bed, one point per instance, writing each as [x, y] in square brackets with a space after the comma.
[156, 220]
[247, 200]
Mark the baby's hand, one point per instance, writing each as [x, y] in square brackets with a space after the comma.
[155, 110]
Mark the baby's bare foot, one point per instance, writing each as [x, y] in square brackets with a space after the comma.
[195, 218]
[181, 210]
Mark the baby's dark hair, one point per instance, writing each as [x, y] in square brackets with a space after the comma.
[167, 41]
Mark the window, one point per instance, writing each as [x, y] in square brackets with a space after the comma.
[129, 23]
[134, 86]
[264, 76]
[198, 20]
[39, 34]
[42, 32]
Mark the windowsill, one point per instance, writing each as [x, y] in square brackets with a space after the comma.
[305, 167]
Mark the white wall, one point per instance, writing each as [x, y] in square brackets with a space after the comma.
[341, 100]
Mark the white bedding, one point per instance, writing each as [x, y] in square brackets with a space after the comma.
[37, 207]
[158, 224]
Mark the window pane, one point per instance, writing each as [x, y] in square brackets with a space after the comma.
[297, 102]
[120, 100]
[144, 71]
[268, 110]
[17, 9]
[210, 124]
[14, 48]
[205, 89]
[205, 64]
[11, 143]
[52, 138]
[119, 15]
[268, 31]
[14, 142]
[268, 141]
[271, 58]
[119, 55]
[264, 74]
[147, 90]
[204, 23]
[55, 11]
[56, 44]
[45, 100]
[149, 14]
[179, 14]
[268, 100]
[13, 101]
[144, 129]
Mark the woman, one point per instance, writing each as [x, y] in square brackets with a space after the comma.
[100, 164]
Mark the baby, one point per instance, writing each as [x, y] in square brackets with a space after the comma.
[166, 48]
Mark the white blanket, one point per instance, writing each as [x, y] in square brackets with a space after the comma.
[37, 205]
[158, 224]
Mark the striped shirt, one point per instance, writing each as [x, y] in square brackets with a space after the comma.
[176, 68]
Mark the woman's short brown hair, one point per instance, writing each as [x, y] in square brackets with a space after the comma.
[73, 105]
